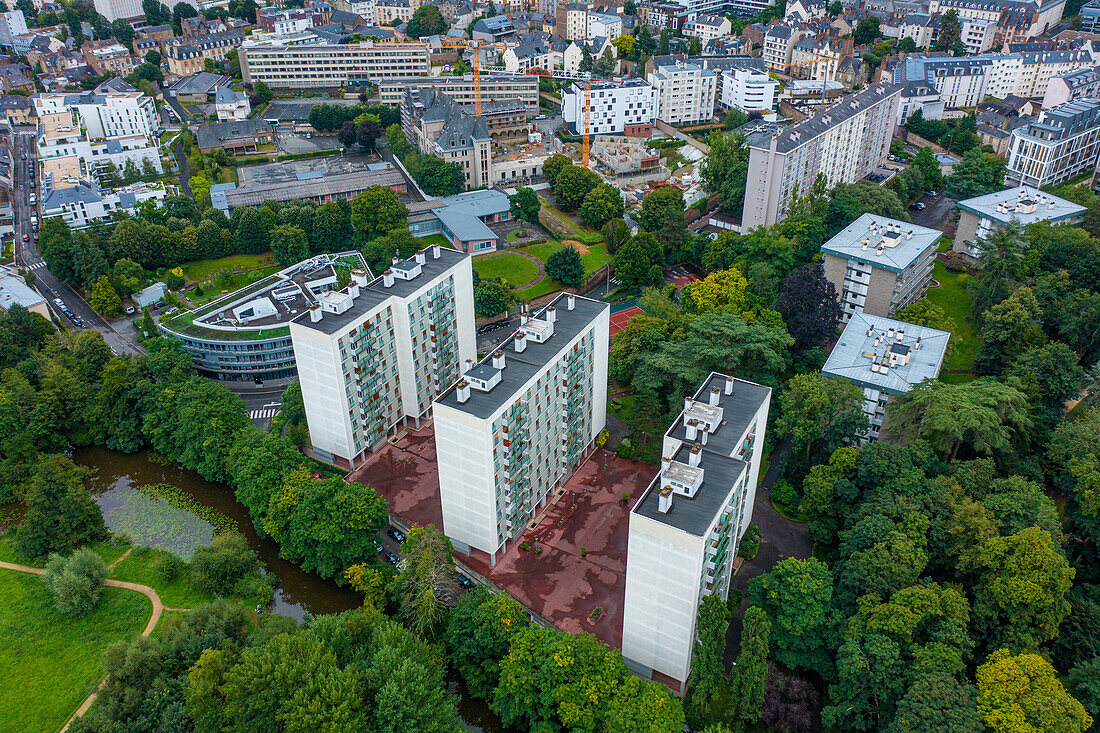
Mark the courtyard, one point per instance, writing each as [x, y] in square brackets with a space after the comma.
[575, 561]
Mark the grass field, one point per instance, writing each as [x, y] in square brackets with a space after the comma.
[593, 260]
[176, 593]
[514, 268]
[205, 269]
[953, 297]
[435, 239]
[51, 663]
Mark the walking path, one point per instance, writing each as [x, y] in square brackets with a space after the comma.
[158, 609]
[538, 276]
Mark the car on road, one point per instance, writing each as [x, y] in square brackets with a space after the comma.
[917, 206]
[58, 302]
[397, 534]
[33, 199]
[24, 156]
[26, 237]
[391, 558]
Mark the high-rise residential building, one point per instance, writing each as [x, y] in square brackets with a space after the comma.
[685, 531]
[1062, 143]
[685, 91]
[12, 24]
[112, 10]
[844, 143]
[880, 265]
[460, 89]
[572, 21]
[375, 354]
[613, 108]
[329, 66]
[518, 423]
[884, 357]
[114, 109]
[980, 216]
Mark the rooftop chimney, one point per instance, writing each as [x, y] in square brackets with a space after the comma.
[729, 385]
[359, 277]
[521, 342]
[692, 429]
[570, 301]
[703, 435]
[695, 454]
[665, 463]
[315, 312]
[469, 365]
[715, 396]
[498, 359]
[551, 314]
[421, 258]
[387, 278]
[664, 502]
[462, 391]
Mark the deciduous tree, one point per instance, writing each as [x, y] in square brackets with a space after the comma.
[601, 205]
[566, 267]
[809, 306]
[1023, 693]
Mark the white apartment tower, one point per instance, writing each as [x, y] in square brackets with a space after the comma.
[378, 352]
[685, 92]
[516, 425]
[614, 108]
[12, 24]
[685, 530]
[843, 143]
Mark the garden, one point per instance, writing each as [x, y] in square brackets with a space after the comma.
[954, 298]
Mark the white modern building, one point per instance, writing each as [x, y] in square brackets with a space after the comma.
[12, 24]
[112, 10]
[749, 90]
[884, 357]
[114, 109]
[376, 353]
[81, 204]
[685, 92]
[1062, 143]
[685, 531]
[604, 25]
[614, 107]
[843, 143]
[982, 215]
[708, 27]
[518, 423]
[978, 35]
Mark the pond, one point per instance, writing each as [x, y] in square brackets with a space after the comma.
[114, 483]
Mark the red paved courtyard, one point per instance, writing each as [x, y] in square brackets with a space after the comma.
[557, 584]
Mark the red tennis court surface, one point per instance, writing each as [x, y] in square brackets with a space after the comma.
[620, 319]
[683, 280]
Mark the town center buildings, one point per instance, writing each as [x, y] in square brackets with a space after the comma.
[685, 530]
[518, 423]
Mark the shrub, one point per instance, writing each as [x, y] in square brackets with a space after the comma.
[167, 567]
[784, 494]
[219, 568]
[584, 552]
[954, 262]
[525, 546]
[76, 582]
[750, 543]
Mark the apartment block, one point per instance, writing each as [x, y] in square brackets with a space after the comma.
[12, 24]
[614, 108]
[879, 265]
[460, 89]
[685, 531]
[376, 353]
[685, 92]
[572, 21]
[114, 109]
[844, 143]
[884, 357]
[518, 423]
[982, 215]
[328, 66]
[1062, 143]
[1081, 84]
[108, 56]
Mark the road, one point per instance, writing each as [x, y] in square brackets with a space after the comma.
[28, 258]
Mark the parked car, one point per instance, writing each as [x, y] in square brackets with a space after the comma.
[464, 582]
[130, 310]
[396, 534]
[391, 558]
[917, 206]
[930, 194]
[58, 302]
[26, 237]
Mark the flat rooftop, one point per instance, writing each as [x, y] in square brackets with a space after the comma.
[521, 367]
[376, 292]
[887, 243]
[694, 514]
[798, 134]
[1025, 204]
[887, 355]
[738, 410]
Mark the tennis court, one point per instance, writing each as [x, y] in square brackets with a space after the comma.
[621, 318]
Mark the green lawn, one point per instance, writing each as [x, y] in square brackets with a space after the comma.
[229, 174]
[204, 269]
[435, 239]
[953, 297]
[176, 593]
[544, 286]
[51, 663]
[541, 251]
[514, 268]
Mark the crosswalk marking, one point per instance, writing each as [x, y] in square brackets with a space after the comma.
[263, 414]
[38, 265]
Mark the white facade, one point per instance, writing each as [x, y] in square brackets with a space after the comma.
[708, 28]
[686, 529]
[612, 107]
[748, 90]
[1063, 142]
[82, 204]
[378, 352]
[104, 114]
[514, 428]
[603, 25]
[685, 92]
[112, 10]
[12, 24]
[978, 35]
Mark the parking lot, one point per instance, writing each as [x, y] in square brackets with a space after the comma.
[297, 110]
[289, 142]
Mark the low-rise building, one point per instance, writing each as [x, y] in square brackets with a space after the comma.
[880, 265]
[884, 358]
[605, 25]
[236, 136]
[375, 354]
[1062, 143]
[15, 291]
[1080, 84]
[230, 105]
[685, 530]
[517, 424]
[314, 188]
[980, 216]
[84, 203]
[708, 28]
[460, 89]
[198, 88]
[615, 108]
[627, 157]
[108, 56]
